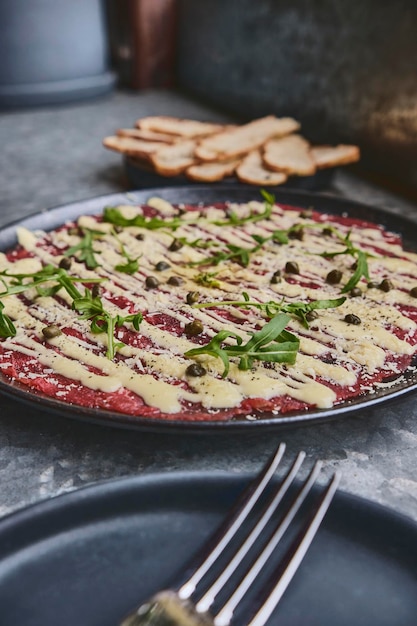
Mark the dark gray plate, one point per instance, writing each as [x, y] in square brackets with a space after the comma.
[88, 557]
[52, 218]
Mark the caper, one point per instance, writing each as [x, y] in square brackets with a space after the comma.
[73, 231]
[192, 297]
[195, 369]
[194, 328]
[276, 277]
[118, 229]
[354, 266]
[355, 292]
[372, 285]
[328, 231]
[413, 292]
[306, 213]
[386, 285]
[176, 281]
[151, 282]
[352, 319]
[291, 267]
[297, 233]
[334, 277]
[176, 245]
[95, 291]
[311, 315]
[51, 331]
[65, 263]
[140, 236]
[161, 266]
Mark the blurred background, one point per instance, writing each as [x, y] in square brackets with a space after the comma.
[345, 70]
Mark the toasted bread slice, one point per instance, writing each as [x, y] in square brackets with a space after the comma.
[212, 172]
[253, 171]
[131, 146]
[146, 135]
[290, 155]
[174, 159]
[332, 156]
[177, 126]
[238, 141]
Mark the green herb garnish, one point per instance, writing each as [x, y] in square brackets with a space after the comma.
[91, 308]
[296, 309]
[207, 279]
[362, 269]
[115, 216]
[234, 220]
[47, 282]
[84, 250]
[132, 265]
[271, 344]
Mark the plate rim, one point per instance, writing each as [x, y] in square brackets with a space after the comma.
[102, 417]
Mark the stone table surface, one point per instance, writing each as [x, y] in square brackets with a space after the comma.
[52, 156]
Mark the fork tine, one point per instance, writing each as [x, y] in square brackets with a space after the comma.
[210, 595]
[233, 522]
[293, 558]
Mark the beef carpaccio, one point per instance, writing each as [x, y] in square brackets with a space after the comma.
[208, 312]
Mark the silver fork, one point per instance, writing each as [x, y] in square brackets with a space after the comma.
[185, 605]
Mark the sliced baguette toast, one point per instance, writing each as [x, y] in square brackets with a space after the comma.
[290, 155]
[332, 156]
[252, 171]
[130, 146]
[212, 172]
[146, 135]
[177, 126]
[242, 139]
[174, 159]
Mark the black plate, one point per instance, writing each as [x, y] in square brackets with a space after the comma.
[88, 557]
[55, 217]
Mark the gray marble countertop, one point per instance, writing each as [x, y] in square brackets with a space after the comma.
[52, 156]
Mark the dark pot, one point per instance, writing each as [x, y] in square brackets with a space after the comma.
[346, 69]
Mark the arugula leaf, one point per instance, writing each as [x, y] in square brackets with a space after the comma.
[88, 306]
[236, 253]
[271, 344]
[207, 279]
[235, 220]
[7, 328]
[361, 270]
[115, 216]
[91, 308]
[272, 307]
[361, 257]
[85, 249]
